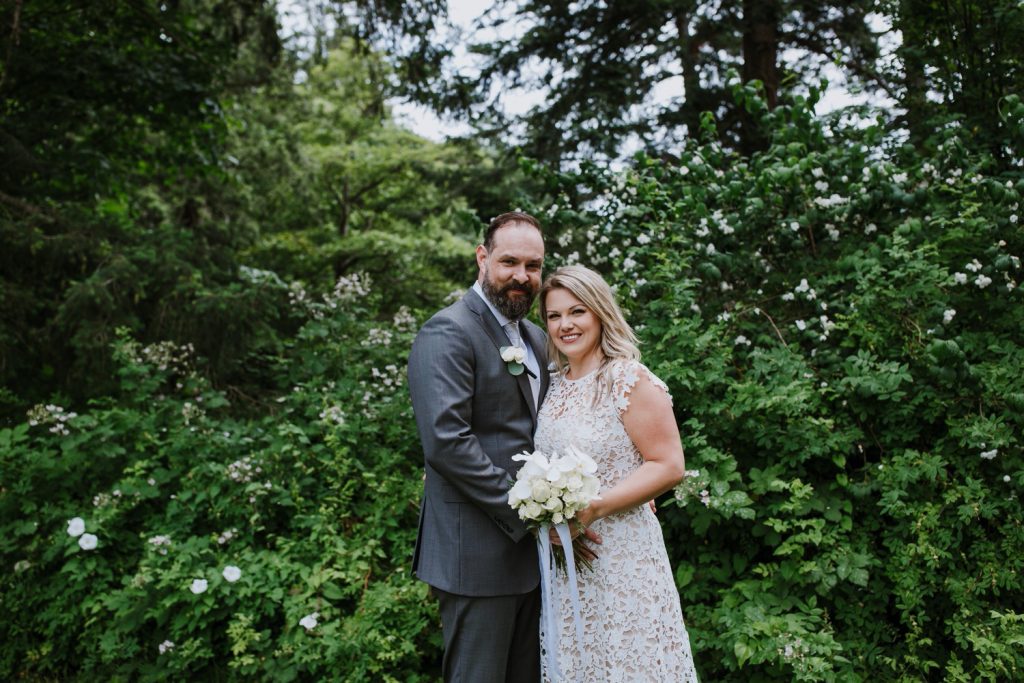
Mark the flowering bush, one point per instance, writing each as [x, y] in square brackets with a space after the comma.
[839, 321]
[163, 533]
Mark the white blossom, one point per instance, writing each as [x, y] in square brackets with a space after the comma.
[983, 281]
[801, 325]
[741, 340]
[947, 315]
[960, 278]
[830, 201]
[165, 646]
[309, 621]
[1006, 478]
[198, 586]
[794, 226]
[76, 527]
[87, 542]
[231, 573]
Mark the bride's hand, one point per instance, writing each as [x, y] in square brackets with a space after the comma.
[580, 524]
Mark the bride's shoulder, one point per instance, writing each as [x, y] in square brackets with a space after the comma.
[625, 374]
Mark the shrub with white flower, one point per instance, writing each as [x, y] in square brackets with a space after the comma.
[165, 646]
[52, 415]
[309, 621]
[231, 573]
[199, 586]
[76, 527]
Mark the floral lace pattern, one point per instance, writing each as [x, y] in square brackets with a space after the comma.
[632, 622]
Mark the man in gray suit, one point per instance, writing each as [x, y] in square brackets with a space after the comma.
[473, 415]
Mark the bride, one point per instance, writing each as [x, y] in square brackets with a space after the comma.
[606, 403]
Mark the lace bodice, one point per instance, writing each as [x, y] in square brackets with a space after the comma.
[633, 624]
[571, 416]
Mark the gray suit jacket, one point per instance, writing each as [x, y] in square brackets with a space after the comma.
[473, 416]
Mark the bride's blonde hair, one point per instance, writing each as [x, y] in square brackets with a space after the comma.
[617, 338]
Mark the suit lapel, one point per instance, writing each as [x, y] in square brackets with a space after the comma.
[497, 335]
[535, 338]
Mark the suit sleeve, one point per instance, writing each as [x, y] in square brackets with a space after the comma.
[441, 384]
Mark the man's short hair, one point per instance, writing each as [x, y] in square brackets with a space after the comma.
[505, 219]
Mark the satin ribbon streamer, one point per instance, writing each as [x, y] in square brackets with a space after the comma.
[546, 557]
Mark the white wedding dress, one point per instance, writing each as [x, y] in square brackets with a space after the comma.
[633, 626]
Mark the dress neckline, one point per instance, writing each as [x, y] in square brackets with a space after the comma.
[590, 374]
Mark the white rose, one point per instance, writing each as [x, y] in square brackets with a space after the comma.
[553, 504]
[519, 354]
[508, 354]
[231, 573]
[540, 490]
[198, 586]
[76, 526]
[309, 621]
[532, 510]
[87, 542]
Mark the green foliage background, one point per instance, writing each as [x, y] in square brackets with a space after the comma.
[207, 308]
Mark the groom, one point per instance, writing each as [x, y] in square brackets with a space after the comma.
[473, 415]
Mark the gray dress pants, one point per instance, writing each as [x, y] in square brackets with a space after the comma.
[491, 639]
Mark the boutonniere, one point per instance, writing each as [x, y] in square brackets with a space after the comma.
[514, 357]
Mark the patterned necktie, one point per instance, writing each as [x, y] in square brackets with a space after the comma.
[512, 330]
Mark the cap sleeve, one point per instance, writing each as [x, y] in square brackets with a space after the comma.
[624, 376]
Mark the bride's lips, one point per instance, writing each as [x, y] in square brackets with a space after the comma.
[569, 338]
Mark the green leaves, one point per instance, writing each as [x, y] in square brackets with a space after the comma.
[838, 321]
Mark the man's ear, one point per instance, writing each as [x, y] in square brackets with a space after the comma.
[481, 256]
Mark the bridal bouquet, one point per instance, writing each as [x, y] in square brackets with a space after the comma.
[549, 491]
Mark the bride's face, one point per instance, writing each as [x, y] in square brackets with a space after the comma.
[573, 327]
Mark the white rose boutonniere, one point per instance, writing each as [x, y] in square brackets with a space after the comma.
[514, 357]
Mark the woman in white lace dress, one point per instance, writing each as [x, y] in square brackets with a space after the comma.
[606, 403]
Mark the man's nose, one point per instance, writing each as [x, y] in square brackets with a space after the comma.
[520, 275]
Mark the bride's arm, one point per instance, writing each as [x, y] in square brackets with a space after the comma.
[652, 427]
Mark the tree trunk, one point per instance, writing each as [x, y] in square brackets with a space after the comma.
[761, 45]
[760, 55]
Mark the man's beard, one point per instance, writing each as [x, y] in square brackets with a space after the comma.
[513, 309]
